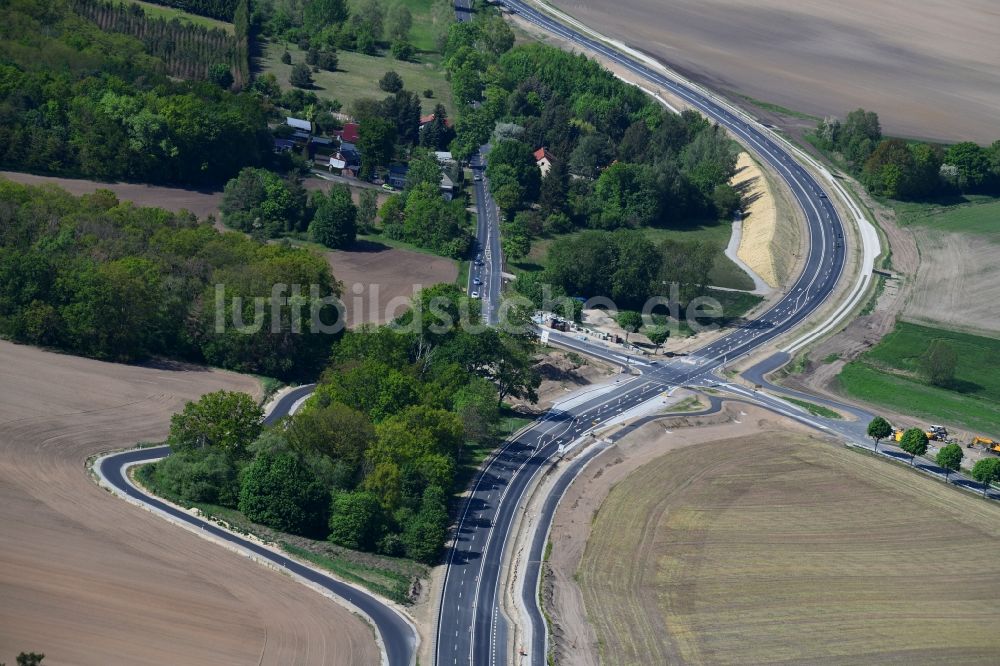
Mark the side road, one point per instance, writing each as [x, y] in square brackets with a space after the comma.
[395, 633]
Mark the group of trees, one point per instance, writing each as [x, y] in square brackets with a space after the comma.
[619, 160]
[949, 457]
[78, 101]
[622, 265]
[328, 25]
[901, 169]
[371, 459]
[262, 203]
[266, 205]
[105, 279]
[188, 50]
[420, 215]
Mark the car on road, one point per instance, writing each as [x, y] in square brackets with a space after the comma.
[479, 177]
[475, 294]
[476, 281]
[388, 188]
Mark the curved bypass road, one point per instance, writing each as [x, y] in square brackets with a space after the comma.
[397, 634]
[470, 627]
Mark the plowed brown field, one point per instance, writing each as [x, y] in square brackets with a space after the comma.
[88, 579]
[928, 67]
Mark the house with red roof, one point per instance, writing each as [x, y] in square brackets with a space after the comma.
[544, 159]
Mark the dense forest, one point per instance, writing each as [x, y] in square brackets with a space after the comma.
[619, 161]
[102, 278]
[373, 457]
[188, 51]
[79, 101]
[912, 170]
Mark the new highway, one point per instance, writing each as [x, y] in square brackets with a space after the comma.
[470, 627]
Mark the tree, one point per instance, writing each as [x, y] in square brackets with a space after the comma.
[391, 82]
[263, 203]
[986, 472]
[319, 14]
[424, 535]
[658, 336]
[914, 442]
[376, 141]
[367, 210]
[630, 321]
[226, 420]
[355, 520]
[286, 58]
[203, 475]
[335, 430]
[879, 429]
[29, 659]
[279, 490]
[939, 362]
[402, 50]
[221, 76]
[513, 371]
[591, 154]
[398, 22]
[301, 76]
[335, 222]
[972, 163]
[950, 458]
[424, 170]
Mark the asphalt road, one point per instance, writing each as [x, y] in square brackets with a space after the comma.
[856, 430]
[485, 279]
[470, 628]
[396, 633]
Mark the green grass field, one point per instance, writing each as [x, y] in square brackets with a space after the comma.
[889, 375]
[357, 76]
[724, 273]
[430, 19]
[171, 13]
[975, 214]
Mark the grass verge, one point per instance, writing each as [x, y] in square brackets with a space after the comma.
[813, 408]
[389, 584]
[387, 576]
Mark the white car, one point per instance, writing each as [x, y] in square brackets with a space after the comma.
[476, 281]
[475, 294]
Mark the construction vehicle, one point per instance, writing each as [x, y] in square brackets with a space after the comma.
[935, 433]
[991, 445]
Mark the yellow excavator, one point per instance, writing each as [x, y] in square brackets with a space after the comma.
[935, 433]
[991, 445]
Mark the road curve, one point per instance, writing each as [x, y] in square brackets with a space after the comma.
[397, 635]
[470, 627]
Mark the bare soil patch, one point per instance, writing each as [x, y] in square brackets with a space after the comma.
[762, 545]
[379, 280]
[958, 282]
[200, 202]
[89, 579]
[928, 68]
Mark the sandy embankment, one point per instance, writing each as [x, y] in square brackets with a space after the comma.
[768, 241]
[89, 579]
